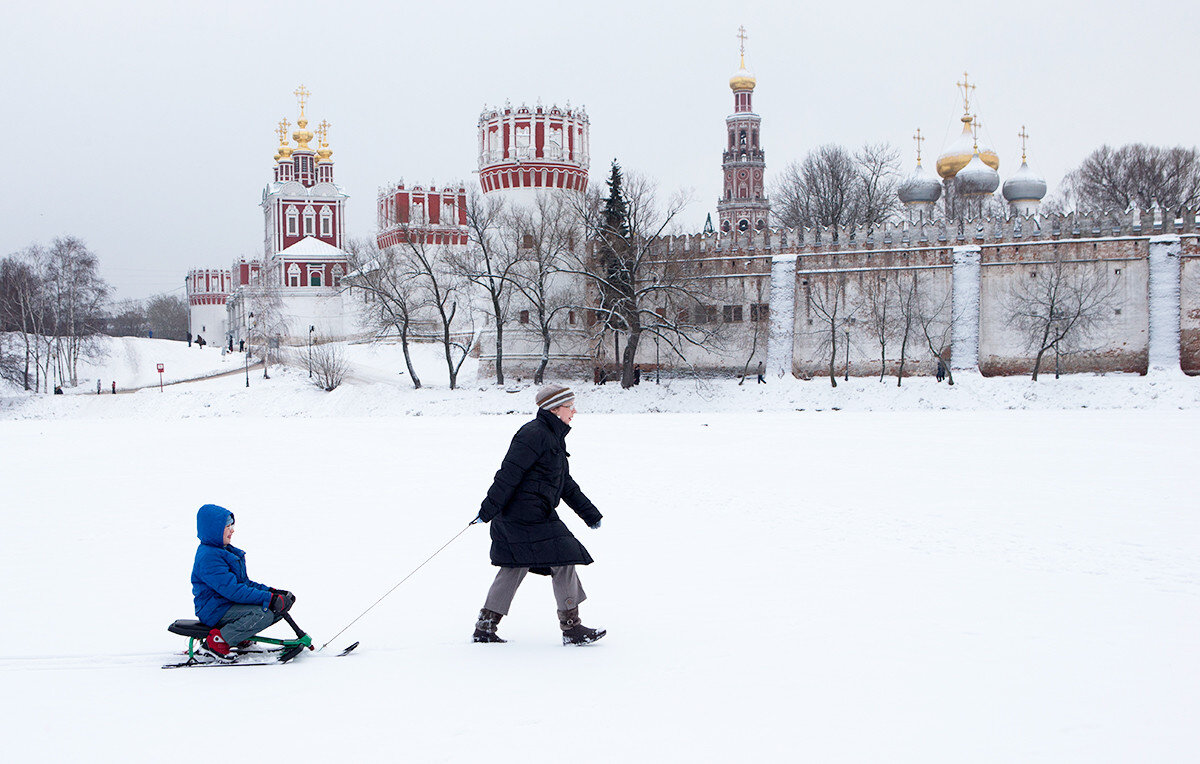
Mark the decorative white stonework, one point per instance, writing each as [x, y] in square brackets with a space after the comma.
[1164, 357]
[964, 344]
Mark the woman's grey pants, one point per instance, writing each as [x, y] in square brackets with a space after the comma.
[568, 592]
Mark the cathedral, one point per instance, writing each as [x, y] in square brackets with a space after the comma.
[295, 289]
[767, 288]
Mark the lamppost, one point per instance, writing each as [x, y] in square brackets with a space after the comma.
[311, 329]
[247, 356]
[847, 378]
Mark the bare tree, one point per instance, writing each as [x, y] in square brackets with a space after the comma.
[832, 304]
[489, 260]
[644, 287]
[128, 319]
[439, 289]
[167, 316]
[908, 298]
[77, 295]
[22, 292]
[388, 286]
[832, 187]
[55, 298]
[879, 315]
[544, 237]
[1059, 306]
[267, 320]
[934, 319]
[1135, 174]
[329, 365]
[759, 318]
[878, 170]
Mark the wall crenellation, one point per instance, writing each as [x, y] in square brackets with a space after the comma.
[905, 234]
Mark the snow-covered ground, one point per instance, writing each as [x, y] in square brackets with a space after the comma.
[378, 385]
[905, 584]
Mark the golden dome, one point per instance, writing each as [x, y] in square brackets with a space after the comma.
[302, 136]
[959, 153]
[324, 152]
[284, 151]
[742, 79]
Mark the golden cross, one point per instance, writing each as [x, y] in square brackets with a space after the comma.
[323, 131]
[967, 87]
[975, 125]
[1022, 135]
[282, 131]
[742, 45]
[302, 93]
[919, 139]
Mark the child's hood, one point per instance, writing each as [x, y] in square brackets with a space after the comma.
[210, 524]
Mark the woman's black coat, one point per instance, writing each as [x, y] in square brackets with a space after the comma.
[526, 531]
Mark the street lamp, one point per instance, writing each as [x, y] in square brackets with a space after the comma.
[247, 356]
[847, 355]
[311, 329]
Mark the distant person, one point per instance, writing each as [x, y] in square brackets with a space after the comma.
[199, 341]
[151, 334]
[114, 387]
[97, 387]
[761, 369]
[189, 336]
[637, 374]
[241, 345]
[231, 343]
[526, 532]
[58, 390]
[941, 370]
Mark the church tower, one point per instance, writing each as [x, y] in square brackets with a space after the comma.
[743, 205]
[303, 201]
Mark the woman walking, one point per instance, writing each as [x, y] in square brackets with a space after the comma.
[527, 534]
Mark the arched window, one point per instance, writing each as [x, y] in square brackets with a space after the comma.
[310, 221]
[293, 222]
[326, 222]
[338, 273]
[294, 275]
[314, 278]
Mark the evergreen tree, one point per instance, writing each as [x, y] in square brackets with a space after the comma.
[616, 291]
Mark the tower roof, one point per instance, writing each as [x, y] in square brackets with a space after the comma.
[959, 153]
[743, 78]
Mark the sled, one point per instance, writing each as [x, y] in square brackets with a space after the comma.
[283, 650]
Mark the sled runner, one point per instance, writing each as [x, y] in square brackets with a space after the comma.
[283, 650]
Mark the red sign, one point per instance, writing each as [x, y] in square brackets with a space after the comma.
[160, 368]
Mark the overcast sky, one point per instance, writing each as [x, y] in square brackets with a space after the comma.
[146, 128]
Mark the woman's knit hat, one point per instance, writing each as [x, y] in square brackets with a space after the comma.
[552, 396]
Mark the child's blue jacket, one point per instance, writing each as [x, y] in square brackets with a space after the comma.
[219, 573]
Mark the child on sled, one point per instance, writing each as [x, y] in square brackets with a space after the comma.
[226, 599]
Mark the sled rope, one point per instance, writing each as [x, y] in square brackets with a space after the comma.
[389, 591]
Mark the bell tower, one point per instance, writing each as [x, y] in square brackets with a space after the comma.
[743, 204]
